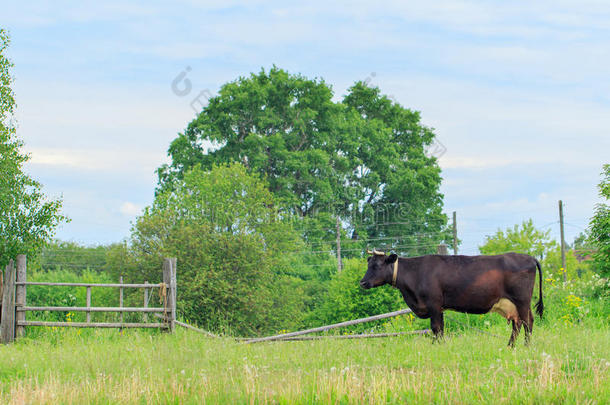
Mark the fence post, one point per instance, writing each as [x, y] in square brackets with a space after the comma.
[88, 304]
[169, 278]
[174, 289]
[442, 249]
[145, 302]
[20, 294]
[121, 300]
[7, 323]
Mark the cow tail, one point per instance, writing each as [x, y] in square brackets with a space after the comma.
[539, 305]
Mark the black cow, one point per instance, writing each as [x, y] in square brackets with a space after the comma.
[472, 284]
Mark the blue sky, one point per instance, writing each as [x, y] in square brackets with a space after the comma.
[518, 94]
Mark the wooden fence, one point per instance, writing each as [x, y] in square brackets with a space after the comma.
[13, 291]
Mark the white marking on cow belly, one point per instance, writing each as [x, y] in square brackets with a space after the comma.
[505, 308]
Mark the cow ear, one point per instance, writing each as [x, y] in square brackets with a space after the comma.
[391, 258]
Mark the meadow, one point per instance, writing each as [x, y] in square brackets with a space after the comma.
[564, 364]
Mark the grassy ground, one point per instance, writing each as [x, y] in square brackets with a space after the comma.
[564, 364]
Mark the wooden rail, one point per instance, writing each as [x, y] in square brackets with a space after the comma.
[94, 324]
[90, 309]
[115, 285]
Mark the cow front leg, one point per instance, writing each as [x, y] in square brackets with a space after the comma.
[437, 324]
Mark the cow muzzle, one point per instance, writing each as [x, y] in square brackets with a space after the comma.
[365, 284]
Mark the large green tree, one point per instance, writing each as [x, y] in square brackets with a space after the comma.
[361, 160]
[27, 218]
[600, 225]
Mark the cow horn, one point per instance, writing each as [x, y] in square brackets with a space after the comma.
[374, 252]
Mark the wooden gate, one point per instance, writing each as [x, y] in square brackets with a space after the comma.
[13, 291]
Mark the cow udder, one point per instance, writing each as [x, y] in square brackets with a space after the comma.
[505, 307]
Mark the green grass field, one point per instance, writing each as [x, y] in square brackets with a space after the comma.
[564, 364]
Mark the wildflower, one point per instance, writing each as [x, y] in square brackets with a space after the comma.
[573, 301]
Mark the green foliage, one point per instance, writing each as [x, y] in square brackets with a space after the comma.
[520, 239]
[577, 301]
[231, 242]
[527, 239]
[600, 225]
[27, 218]
[582, 241]
[345, 300]
[574, 269]
[362, 159]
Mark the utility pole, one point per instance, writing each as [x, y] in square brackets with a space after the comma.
[563, 243]
[339, 262]
[455, 249]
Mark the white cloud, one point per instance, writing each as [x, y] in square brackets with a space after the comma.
[130, 209]
[128, 162]
[463, 162]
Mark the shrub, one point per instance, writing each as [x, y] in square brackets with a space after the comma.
[345, 300]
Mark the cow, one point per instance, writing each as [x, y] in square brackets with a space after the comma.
[472, 284]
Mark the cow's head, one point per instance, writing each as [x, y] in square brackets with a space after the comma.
[380, 270]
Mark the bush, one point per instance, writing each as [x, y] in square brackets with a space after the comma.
[225, 284]
[600, 226]
[345, 300]
[235, 271]
[552, 264]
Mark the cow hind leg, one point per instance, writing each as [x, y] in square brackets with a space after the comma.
[528, 322]
[437, 324]
[516, 328]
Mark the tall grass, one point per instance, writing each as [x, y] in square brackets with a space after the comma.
[563, 364]
[568, 361]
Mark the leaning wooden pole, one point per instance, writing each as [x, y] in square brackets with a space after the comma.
[190, 327]
[328, 327]
[187, 326]
[362, 336]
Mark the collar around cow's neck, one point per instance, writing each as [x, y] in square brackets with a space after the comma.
[395, 275]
